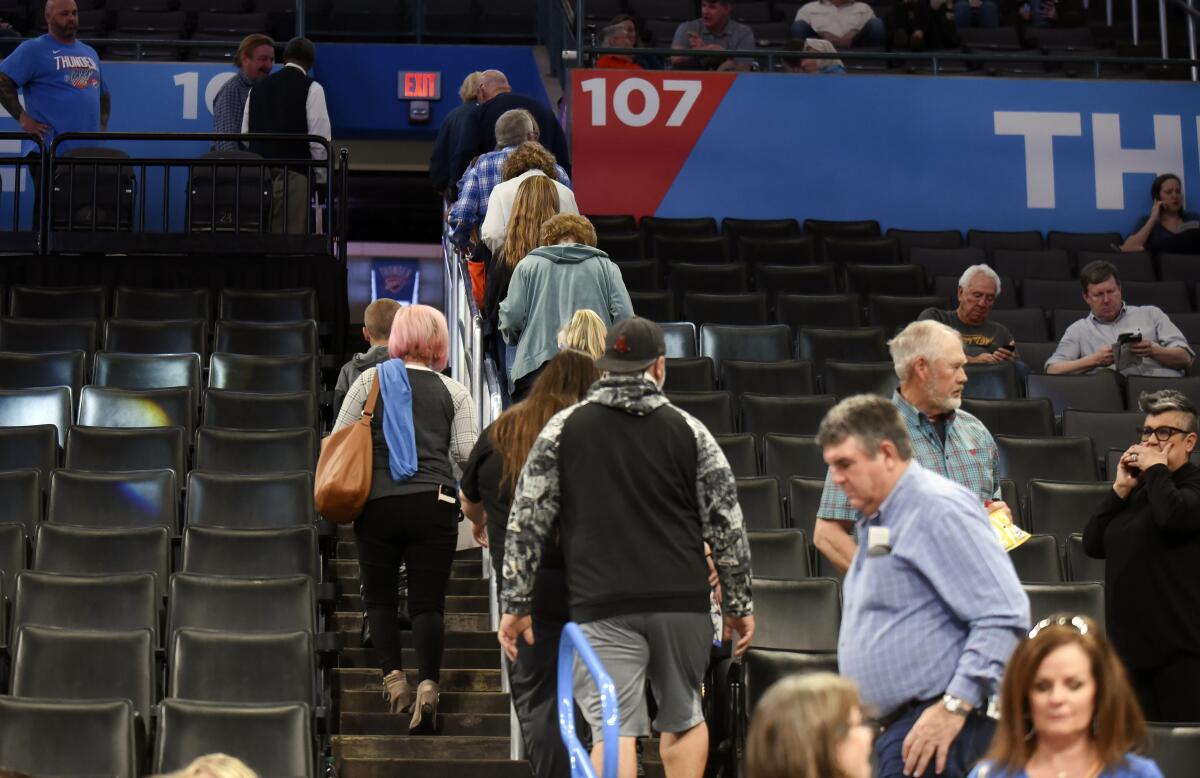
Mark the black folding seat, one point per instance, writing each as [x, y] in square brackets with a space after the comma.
[61, 548]
[762, 668]
[621, 246]
[48, 302]
[745, 309]
[256, 452]
[818, 310]
[267, 305]
[36, 371]
[243, 667]
[257, 553]
[32, 407]
[20, 500]
[990, 240]
[1021, 265]
[149, 371]
[103, 406]
[651, 227]
[762, 414]
[222, 603]
[1049, 294]
[766, 343]
[1176, 750]
[781, 554]
[1084, 241]
[946, 288]
[127, 601]
[680, 338]
[1055, 458]
[1188, 324]
[230, 24]
[251, 411]
[1037, 561]
[30, 448]
[13, 545]
[864, 228]
[1061, 508]
[1131, 265]
[777, 603]
[713, 409]
[791, 377]
[39, 336]
[1062, 318]
[741, 453]
[991, 382]
[861, 251]
[724, 278]
[1028, 418]
[1171, 296]
[66, 664]
[706, 249]
[269, 375]
[843, 379]
[640, 274]
[785, 456]
[924, 239]
[777, 280]
[249, 501]
[761, 502]
[275, 339]
[861, 344]
[803, 499]
[1136, 385]
[270, 739]
[736, 229]
[60, 738]
[782, 251]
[147, 498]
[950, 261]
[113, 450]
[1071, 599]
[1080, 566]
[1179, 267]
[690, 374]
[1089, 392]
[655, 306]
[1108, 430]
[613, 223]
[867, 280]
[176, 336]
[1024, 323]
[895, 311]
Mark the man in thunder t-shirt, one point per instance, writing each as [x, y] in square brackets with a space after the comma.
[60, 78]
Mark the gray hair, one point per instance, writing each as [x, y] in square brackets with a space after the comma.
[1166, 401]
[513, 128]
[870, 420]
[610, 32]
[917, 340]
[975, 270]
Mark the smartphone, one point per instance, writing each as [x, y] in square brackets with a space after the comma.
[1011, 345]
[1129, 337]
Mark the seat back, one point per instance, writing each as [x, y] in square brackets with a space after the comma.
[1023, 323]
[268, 339]
[779, 553]
[843, 379]
[741, 452]
[72, 550]
[1062, 509]
[227, 197]
[20, 500]
[1082, 568]
[767, 343]
[1170, 296]
[709, 249]
[863, 250]
[1029, 418]
[270, 375]
[48, 302]
[763, 668]
[147, 498]
[657, 306]
[1107, 430]
[274, 667]
[104, 406]
[1049, 294]
[991, 240]
[1022, 264]
[40, 336]
[1137, 384]
[991, 382]
[746, 309]
[51, 737]
[162, 304]
[117, 601]
[1090, 392]
[12, 561]
[777, 250]
[761, 502]
[251, 411]
[777, 603]
[713, 409]
[34, 371]
[267, 305]
[680, 338]
[867, 280]
[894, 311]
[1037, 560]
[236, 501]
[32, 407]
[910, 240]
[175, 336]
[259, 553]
[269, 739]
[1047, 600]
[1176, 750]
[785, 456]
[253, 452]
[863, 344]
[1059, 459]
[788, 377]
[775, 280]
[948, 261]
[34, 447]
[149, 371]
[690, 374]
[818, 310]
[285, 604]
[762, 414]
[803, 499]
[112, 450]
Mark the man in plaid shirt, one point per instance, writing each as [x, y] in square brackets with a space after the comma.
[929, 361]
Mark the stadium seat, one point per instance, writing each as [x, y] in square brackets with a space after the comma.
[653, 226]
[789, 377]
[256, 452]
[270, 375]
[1059, 459]
[59, 738]
[103, 406]
[128, 601]
[1011, 496]
[732, 309]
[843, 379]
[713, 409]
[680, 338]
[893, 312]
[257, 553]
[640, 274]
[764, 667]
[13, 547]
[212, 666]
[148, 498]
[946, 288]
[263, 305]
[803, 499]
[768, 343]
[93, 188]
[741, 453]
[818, 310]
[149, 371]
[270, 739]
[1188, 324]
[705, 249]
[47, 302]
[1179, 267]
[162, 304]
[61, 548]
[20, 500]
[785, 415]
[867, 280]
[227, 604]
[990, 241]
[1062, 318]
[781, 554]
[841, 250]
[52, 663]
[690, 374]
[1022, 265]
[655, 306]
[797, 615]
[1175, 749]
[1081, 567]
[38, 371]
[948, 261]
[991, 382]
[39, 336]
[1171, 296]
[1098, 242]
[1108, 430]
[1131, 266]
[736, 229]
[1023, 323]
[724, 278]
[1036, 560]
[30, 407]
[268, 339]
[783, 251]
[778, 280]
[613, 223]
[1035, 353]
[1083, 599]
[1049, 294]
[112, 450]
[821, 228]
[785, 456]
[622, 246]
[1062, 509]
[908, 240]
[862, 344]
[249, 501]
[34, 447]
[230, 25]
[181, 336]
[761, 503]
[1088, 392]
[1136, 385]
[251, 411]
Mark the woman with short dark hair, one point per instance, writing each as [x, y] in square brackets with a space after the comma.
[1166, 219]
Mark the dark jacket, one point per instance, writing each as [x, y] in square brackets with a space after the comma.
[279, 103]
[353, 369]
[479, 135]
[448, 137]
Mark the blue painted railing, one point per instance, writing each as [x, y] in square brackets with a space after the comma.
[574, 641]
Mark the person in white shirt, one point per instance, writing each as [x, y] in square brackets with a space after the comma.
[844, 23]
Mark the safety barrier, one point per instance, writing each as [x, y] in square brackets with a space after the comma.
[574, 642]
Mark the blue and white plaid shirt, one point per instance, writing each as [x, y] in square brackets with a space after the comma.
[228, 107]
[474, 189]
[968, 457]
[942, 611]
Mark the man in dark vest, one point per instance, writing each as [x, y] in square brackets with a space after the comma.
[290, 101]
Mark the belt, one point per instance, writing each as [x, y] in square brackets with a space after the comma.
[903, 710]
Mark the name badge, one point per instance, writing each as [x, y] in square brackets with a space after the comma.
[879, 541]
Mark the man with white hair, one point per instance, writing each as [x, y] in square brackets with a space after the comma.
[984, 341]
[929, 362]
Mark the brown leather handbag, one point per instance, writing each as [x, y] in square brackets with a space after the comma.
[343, 479]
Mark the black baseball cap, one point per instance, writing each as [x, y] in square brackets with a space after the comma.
[632, 344]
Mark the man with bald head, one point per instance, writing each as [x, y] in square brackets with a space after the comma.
[495, 99]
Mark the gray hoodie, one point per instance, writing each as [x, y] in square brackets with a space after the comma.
[353, 369]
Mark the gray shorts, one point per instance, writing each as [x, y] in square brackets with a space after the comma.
[670, 649]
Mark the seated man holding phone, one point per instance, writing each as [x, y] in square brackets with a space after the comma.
[984, 341]
[1132, 339]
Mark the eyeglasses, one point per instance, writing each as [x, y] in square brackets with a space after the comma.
[1161, 434]
[1078, 623]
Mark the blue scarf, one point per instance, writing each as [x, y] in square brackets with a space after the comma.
[396, 393]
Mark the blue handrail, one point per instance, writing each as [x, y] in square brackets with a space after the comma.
[573, 641]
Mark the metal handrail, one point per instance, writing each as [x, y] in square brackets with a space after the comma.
[19, 163]
[573, 642]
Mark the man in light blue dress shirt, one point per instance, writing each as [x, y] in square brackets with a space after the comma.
[932, 607]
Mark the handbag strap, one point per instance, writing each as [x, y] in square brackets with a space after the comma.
[372, 397]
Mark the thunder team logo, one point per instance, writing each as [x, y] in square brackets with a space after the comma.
[79, 72]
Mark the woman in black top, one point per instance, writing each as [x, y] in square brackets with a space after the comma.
[487, 487]
[1160, 230]
[414, 518]
[1148, 531]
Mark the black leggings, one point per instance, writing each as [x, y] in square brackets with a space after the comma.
[421, 531]
[1171, 691]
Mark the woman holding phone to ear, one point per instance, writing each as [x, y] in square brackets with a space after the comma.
[1166, 218]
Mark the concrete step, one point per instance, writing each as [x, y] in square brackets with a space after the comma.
[371, 701]
[455, 587]
[346, 570]
[431, 768]
[351, 622]
[352, 639]
[449, 724]
[459, 748]
[452, 658]
[455, 603]
[371, 679]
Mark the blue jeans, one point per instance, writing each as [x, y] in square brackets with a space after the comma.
[872, 33]
[967, 749]
[986, 15]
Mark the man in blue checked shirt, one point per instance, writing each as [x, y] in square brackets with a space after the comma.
[931, 609]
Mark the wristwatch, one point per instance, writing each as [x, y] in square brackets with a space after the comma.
[955, 705]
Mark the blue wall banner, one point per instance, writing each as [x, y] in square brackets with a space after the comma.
[913, 152]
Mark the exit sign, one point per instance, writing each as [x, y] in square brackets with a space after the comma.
[420, 85]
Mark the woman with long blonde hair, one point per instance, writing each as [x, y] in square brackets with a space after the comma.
[585, 333]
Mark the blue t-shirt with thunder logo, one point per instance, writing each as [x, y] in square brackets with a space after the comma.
[61, 83]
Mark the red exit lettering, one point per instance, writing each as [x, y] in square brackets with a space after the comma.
[421, 85]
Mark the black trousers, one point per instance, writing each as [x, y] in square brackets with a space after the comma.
[1170, 692]
[421, 531]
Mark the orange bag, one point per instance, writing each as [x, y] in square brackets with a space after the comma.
[478, 271]
[343, 479]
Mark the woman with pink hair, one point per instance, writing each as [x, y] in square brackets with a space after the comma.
[422, 433]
